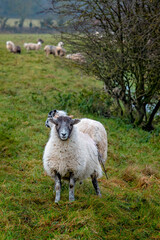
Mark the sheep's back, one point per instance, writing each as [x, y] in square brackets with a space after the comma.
[97, 132]
[32, 46]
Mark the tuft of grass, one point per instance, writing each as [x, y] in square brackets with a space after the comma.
[129, 209]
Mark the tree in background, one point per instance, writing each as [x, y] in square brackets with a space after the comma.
[121, 42]
[3, 22]
[47, 23]
[3, 16]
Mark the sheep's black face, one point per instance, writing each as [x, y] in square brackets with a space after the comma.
[40, 40]
[64, 129]
[64, 126]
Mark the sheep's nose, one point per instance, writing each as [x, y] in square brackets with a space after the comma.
[63, 134]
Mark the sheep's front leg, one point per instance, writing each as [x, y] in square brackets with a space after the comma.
[95, 184]
[71, 187]
[56, 53]
[57, 187]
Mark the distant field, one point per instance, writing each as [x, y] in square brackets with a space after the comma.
[31, 85]
[14, 21]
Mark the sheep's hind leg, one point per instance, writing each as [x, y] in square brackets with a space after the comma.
[95, 184]
[71, 187]
[57, 187]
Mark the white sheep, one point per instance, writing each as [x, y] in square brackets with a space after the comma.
[50, 49]
[12, 47]
[71, 155]
[55, 50]
[88, 126]
[9, 45]
[76, 57]
[33, 46]
[60, 44]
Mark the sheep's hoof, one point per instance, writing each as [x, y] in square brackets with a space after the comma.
[99, 195]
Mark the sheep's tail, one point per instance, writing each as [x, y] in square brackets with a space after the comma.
[101, 160]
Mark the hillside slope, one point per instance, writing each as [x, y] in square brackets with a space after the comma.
[30, 86]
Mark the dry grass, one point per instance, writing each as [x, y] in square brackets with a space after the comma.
[150, 171]
[130, 174]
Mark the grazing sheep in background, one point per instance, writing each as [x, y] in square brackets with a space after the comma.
[60, 44]
[55, 50]
[76, 57]
[88, 126]
[33, 46]
[70, 155]
[16, 49]
[61, 51]
[49, 49]
[12, 47]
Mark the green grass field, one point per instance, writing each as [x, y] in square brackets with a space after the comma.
[30, 86]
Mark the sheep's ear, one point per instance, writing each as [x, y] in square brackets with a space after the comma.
[75, 121]
[53, 120]
[71, 116]
[53, 112]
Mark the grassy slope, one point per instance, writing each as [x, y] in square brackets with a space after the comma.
[130, 205]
